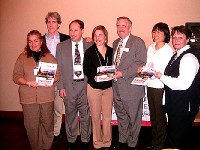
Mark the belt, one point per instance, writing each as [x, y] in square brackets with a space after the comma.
[78, 80]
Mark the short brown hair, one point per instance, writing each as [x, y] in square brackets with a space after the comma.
[102, 28]
[123, 17]
[81, 23]
[182, 29]
[55, 15]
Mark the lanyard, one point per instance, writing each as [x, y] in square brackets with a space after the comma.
[100, 59]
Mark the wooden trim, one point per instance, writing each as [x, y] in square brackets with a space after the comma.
[11, 115]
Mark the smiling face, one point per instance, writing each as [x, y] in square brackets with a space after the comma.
[34, 42]
[123, 28]
[75, 32]
[179, 40]
[52, 25]
[158, 36]
[99, 38]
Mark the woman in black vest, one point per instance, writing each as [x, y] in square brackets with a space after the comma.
[181, 79]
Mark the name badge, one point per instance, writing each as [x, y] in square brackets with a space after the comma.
[35, 71]
[126, 49]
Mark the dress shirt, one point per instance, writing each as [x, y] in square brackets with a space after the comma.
[78, 67]
[122, 49]
[158, 60]
[188, 69]
[52, 42]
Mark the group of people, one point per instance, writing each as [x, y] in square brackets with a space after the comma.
[76, 85]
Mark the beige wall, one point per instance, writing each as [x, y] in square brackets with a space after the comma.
[17, 18]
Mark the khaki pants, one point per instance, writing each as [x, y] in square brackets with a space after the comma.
[38, 121]
[100, 102]
[59, 109]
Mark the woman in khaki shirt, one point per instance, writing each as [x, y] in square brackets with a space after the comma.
[36, 100]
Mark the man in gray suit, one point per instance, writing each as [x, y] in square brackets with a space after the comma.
[72, 84]
[127, 97]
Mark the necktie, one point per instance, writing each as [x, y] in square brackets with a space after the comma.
[77, 60]
[117, 58]
[77, 57]
[174, 58]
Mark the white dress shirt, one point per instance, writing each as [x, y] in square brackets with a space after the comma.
[124, 41]
[158, 60]
[52, 42]
[188, 69]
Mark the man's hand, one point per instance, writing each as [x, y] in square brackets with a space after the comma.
[88, 39]
[139, 69]
[62, 93]
[117, 75]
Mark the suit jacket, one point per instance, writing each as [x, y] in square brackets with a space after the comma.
[129, 62]
[65, 64]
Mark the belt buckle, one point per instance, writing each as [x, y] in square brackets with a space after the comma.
[78, 80]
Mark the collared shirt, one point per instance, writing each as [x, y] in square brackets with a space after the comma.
[158, 60]
[52, 42]
[124, 41]
[188, 69]
[78, 67]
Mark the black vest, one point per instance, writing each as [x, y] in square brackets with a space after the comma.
[181, 99]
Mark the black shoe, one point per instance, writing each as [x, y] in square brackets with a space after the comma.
[150, 147]
[131, 148]
[57, 138]
[71, 146]
[85, 145]
[118, 146]
[105, 148]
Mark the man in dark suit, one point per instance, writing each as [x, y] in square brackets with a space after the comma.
[127, 97]
[52, 38]
[72, 84]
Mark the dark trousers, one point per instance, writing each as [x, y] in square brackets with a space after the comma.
[76, 101]
[157, 117]
[179, 126]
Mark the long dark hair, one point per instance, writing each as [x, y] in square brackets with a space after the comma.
[44, 48]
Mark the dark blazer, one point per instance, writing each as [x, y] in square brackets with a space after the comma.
[63, 37]
[65, 64]
[129, 63]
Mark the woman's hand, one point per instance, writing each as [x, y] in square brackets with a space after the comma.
[158, 75]
[46, 85]
[32, 84]
[95, 78]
